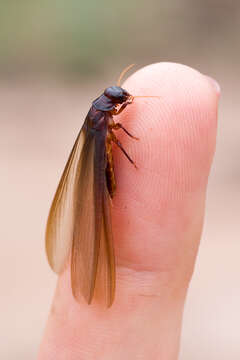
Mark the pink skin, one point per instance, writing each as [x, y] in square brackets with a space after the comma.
[158, 214]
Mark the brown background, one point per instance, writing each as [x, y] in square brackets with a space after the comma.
[54, 59]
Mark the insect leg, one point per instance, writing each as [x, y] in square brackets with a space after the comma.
[120, 126]
[118, 110]
[117, 142]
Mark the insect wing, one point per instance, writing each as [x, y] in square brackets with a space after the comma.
[92, 265]
[105, 282]
[60, 220]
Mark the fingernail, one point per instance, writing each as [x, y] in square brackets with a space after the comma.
[215, 84]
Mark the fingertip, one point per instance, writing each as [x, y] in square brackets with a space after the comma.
[173, 82]
[178, 135]
[181, 122]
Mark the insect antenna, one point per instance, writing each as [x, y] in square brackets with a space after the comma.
[121, 77]
[123, 73]
[143, 96]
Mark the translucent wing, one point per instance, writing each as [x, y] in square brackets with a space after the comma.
[60, 220]
[105, 282]
[92, 265]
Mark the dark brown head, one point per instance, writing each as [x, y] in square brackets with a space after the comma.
[111, 98]
[117, 94]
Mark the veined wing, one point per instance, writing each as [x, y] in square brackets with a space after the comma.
[105, 281]
[92, 264]
[59, 231]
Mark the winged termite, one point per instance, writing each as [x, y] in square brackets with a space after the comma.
[79, 222]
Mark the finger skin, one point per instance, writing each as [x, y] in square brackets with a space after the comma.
[157, 219]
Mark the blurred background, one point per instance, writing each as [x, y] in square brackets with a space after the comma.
[55, 58]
